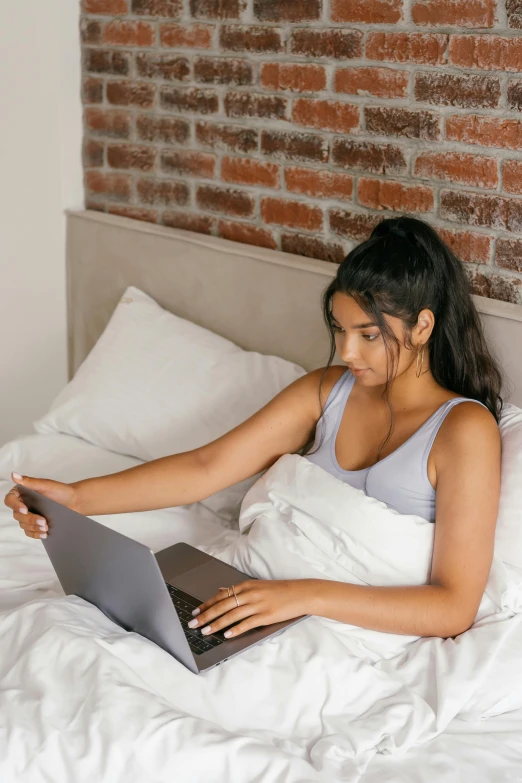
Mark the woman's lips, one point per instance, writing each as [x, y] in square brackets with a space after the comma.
[358, 372]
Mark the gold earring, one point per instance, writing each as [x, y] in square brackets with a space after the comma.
[418, 369]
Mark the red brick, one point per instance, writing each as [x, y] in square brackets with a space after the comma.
[326, 115]
[108, 122]
[217, 9]
[298, 77]
[514, 14]
[469, 247]
[106, 61]
[355, 225]
[294, 214]
[365, 156]
[110, 7]
[242, 38]
[90, 31]
[287, 10]
[200, 224]
[367, 11]
[458, 167]
[391, 121]
[131, 94]
[226, 137]
[222, 70]
[512, 176]
[92, 90]
[321, 184]
[247, 234]
[480, 209]
[196, 36]
[135, 213]
[489, 52]
[250, 172]
[168, 8]
[514, 94]
[458, 13]
[312, 247]
[250, 104]
[447, 89]
[93, 153]
[164, 66]
[111, 185]
[486, 131]
[335, 44]
[125, 33]
[131, 156]
[154, 127]
[162, 191]
[226, 200]
[422, 48]
[189, 99]
[294, 146]
[385, 194]
[508, 254]
[383, 82]
[188, 162]
[507, 289]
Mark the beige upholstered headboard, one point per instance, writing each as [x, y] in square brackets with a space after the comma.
[263, 300]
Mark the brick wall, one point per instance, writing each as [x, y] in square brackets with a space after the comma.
[299, 124]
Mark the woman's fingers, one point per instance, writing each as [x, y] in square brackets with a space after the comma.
[209, 624]
[33, 525]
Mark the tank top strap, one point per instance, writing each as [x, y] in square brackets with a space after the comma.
[436, 422]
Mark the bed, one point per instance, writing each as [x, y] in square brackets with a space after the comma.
[81, 700]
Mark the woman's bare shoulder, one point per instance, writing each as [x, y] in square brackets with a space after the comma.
[329, 379]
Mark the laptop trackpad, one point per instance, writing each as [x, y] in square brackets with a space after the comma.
[205, 580]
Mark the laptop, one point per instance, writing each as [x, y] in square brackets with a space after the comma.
[151, 594]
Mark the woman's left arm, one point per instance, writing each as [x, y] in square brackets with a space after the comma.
[467, 460]
[468, 488]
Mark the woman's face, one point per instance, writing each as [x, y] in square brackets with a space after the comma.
[360, 343]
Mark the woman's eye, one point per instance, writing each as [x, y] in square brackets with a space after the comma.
[370, 337]
[337, 328]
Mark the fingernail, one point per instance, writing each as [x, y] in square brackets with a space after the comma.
[206, 629]
[192, 623]
[17, 476]
[195, 612]
[227, 634]
[41, 523]
[44, 535]
[22, 510]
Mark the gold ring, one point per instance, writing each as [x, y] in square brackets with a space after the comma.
[228, 591]
[235, 596]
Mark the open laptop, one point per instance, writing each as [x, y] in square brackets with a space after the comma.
[151, 594]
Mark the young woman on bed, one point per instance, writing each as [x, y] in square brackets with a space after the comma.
[413, 421]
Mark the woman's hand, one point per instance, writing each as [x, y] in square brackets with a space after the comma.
[34, 525]
[261, 602]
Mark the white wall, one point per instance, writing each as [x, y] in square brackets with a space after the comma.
[40, 176]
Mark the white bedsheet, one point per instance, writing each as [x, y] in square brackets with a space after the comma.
[83, 700]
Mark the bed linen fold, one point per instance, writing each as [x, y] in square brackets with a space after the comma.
[318, 702]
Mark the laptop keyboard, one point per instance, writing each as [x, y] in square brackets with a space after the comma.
[184, 604]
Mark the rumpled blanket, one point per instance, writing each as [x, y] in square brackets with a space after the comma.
[84, 700]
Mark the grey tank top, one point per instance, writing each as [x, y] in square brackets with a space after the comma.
[401, 479]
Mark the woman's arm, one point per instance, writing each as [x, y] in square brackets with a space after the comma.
[467, 460]
[468, 487]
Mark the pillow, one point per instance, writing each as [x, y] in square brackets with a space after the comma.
[508, 537]
[156, 384]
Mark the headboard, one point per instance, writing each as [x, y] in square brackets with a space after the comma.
[263, 300]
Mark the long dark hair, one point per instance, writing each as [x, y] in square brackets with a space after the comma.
[401, 269]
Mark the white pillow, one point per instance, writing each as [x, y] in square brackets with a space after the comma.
[156, 384]
[508, 538]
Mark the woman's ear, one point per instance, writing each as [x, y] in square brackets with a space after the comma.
[425, 324]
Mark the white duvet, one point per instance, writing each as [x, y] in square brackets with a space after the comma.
[83, 700]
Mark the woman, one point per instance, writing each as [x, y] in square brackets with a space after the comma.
[411, 417]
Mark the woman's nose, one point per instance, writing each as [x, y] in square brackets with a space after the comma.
[348, 349]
